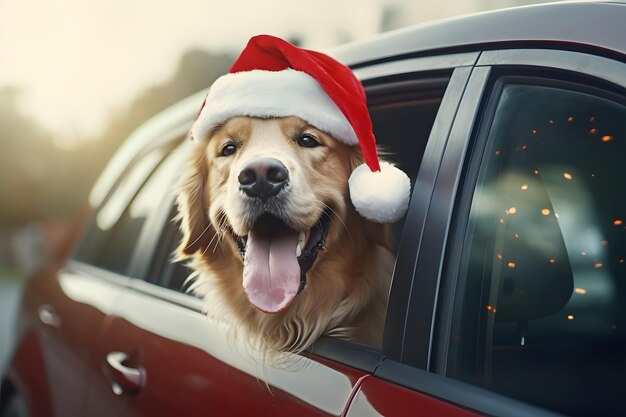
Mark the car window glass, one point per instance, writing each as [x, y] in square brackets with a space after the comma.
[175, 274]
[116, 252]
[542, 315]
[111, 210]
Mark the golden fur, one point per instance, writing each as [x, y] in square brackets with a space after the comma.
[347, 286]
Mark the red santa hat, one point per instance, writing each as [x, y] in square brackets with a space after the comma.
[273, 78]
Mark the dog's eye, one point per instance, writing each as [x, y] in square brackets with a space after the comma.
[306, 140]
[228, 149]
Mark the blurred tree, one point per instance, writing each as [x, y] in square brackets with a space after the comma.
[196, 70]
[39, 181]
[25, 161]
[393, 17]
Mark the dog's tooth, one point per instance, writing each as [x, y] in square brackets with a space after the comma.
[298, 250]
[301, 238]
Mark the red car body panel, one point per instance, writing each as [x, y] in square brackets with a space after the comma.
[28, 374]
[190, 367]
[54, 345]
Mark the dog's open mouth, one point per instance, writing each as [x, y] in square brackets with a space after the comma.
[276, 259]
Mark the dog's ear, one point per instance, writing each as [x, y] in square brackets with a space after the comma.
[193, 211]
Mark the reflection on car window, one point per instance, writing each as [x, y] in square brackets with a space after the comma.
[109, 214]
[112, 210]
[117, 251]
[543, 278]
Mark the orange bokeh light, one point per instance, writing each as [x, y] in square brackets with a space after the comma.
[570, 119]
[570, 317]
[545, 212]
[524, 187]
[617, 222]
[511, 265]
[607, 138]
[580, 291]
[567, 175]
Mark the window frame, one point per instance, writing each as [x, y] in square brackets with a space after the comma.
[165, 141]
[384, 76]
[132, 194]
[411, 243]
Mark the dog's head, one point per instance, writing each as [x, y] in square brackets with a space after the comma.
[265, 191]
[284, 157]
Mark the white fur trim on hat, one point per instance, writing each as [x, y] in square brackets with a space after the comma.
[381, 196]
[260, 93]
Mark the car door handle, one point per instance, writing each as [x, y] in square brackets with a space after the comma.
[48, 316]
[124, 379]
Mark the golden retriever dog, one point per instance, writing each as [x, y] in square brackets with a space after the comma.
[277, 246]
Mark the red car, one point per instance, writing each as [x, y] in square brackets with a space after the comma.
[509, 291]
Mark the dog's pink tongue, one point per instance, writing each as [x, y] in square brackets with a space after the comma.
[271, 273]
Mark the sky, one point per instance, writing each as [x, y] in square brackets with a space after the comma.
[75, 61]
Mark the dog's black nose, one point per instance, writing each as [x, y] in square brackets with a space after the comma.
[263, 177]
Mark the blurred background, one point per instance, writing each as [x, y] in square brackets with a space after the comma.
[77, 77]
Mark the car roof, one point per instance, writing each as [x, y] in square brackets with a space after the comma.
[598, 26]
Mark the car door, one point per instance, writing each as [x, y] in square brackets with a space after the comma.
[54, 354]
[516, 305]
[549, 329]
[51, 363]
[159, 355]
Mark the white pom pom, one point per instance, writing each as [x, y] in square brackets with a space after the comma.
[382, 196]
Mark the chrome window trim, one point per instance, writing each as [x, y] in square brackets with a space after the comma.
[184, 300]
[587, 64]
[414, 65]
[75, 265]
